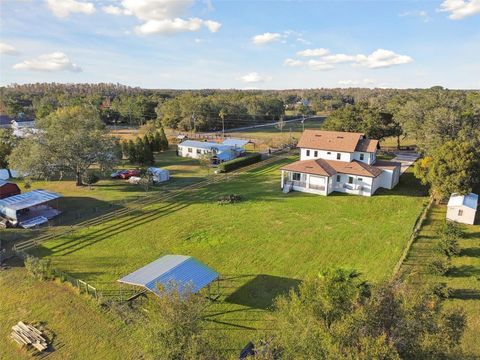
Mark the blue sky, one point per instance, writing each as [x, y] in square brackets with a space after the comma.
[242, 44]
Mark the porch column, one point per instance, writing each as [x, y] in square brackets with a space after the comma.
[307, 181]
[282, 179]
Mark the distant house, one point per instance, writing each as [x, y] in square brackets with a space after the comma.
[339, 161]
[219, 152]
[462, 208]
[8, 189]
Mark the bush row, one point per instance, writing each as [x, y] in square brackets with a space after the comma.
[239, 162]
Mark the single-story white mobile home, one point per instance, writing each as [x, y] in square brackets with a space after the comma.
[219, 152]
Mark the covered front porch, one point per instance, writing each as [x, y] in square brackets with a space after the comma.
[297, 181]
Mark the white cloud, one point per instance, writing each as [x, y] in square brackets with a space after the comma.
[56, 61]
[313, 52]
[319, 65]
[63, 8]
[254, 77]
[382, 58]
[303, 41]
[338, 58]
[266, 38]
[422, 14]
[7, 49]
[355, 83]
[459, 9]
[112, 10]
[293, 62]
[162, 16]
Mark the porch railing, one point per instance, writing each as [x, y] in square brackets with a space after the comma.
[299, 183]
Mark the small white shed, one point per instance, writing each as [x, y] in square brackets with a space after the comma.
[462, 208]
[159, 175]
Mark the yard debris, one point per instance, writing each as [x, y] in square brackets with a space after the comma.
[229, 199]
[28, 335]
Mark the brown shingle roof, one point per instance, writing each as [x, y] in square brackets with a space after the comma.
[367, 145]
[329, 140]
[331, 167]
[314, 167]
[385, 164]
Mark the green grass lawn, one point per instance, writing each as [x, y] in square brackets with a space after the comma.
[261, 247]
[80, 329]
[464, 278]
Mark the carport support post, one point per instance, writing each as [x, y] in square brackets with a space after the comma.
[283, 179]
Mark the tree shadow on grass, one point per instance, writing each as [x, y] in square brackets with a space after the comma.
[465, 294]
[472, 252]
[407, 186]
[464, 271]
[261, 291]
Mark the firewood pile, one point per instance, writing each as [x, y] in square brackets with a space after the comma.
[29, 336]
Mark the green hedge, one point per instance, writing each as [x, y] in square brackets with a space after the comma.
[239, 162]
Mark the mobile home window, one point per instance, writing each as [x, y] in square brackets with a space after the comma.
[199, 151]
[308, 152]
[339, 156]
[315, 153]
[296, 176]
[362, 156]
[350, 180]
[339, 178]
[460, 212]
[190, 149]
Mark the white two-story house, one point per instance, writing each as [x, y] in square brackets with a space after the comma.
[338, 161]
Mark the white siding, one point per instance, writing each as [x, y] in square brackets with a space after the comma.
[323, 154]
[368, 158]
[183, 151]
[467, 216]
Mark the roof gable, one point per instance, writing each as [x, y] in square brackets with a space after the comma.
[469, 200]
[330, 140]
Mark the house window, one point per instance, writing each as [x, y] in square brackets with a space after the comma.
[199, 151]
[339, 178]
[362, 156]
[296, 176]
[460, 212]
[350, 179]
[328, 152]
[315, 153]
[360, 179]
[190, 150]
[339, 156]
[308, 152]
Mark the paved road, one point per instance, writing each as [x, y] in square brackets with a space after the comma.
[406, 158]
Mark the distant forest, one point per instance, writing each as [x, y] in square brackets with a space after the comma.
[206, 110]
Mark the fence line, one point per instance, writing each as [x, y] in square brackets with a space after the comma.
[416, 228]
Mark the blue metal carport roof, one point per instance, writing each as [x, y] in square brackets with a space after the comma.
[184, 271]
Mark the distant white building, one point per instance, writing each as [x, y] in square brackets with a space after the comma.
[339, 161]
[219, 152]
[462, 208]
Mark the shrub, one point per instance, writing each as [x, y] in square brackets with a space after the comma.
[38, 268]
[449, 246]
[90, 178]
[439, 266]
[239, 162]
[442, 290]
[229, 199]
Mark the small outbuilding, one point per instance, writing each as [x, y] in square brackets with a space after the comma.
[184, 272]
[29, 209]
[159, 175]
[8, 189]
[462, 208]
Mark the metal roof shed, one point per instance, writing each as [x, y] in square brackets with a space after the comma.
[236, 142]
[13, 204]
[462, 208]
[184, 271]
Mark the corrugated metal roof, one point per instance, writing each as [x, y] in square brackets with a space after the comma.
[236, 142]
[184, 271]
[205, 145]
[469, 200]
[28, 199]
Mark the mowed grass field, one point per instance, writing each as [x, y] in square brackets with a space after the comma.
[463, 279]
[262, 246]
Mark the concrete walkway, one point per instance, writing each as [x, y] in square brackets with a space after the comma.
[406, 158]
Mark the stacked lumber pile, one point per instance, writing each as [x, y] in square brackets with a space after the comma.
[28, 335]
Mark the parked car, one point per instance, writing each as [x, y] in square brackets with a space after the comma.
[129, 173]
[117, 174]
